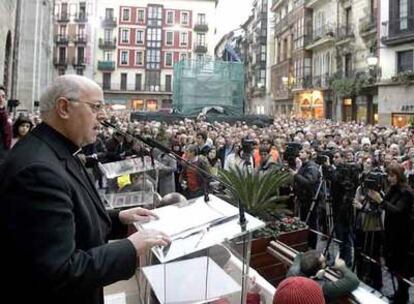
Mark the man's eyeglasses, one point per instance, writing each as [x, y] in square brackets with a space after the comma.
[96, 107]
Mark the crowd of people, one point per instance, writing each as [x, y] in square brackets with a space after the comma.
[367, 171]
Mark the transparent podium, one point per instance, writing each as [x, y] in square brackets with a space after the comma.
[208, 259]
[131, 182]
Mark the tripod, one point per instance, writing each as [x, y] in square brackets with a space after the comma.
[323, 186]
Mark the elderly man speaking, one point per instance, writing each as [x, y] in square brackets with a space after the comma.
[54, 226]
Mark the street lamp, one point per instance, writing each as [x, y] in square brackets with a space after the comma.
[285, 80]
[372, 61]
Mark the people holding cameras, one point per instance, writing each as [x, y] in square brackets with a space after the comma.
[397, 204]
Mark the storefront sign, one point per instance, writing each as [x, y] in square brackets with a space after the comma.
[407, 108]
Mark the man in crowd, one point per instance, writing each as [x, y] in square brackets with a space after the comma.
[53, 222]
[305, 185]
[312, 264]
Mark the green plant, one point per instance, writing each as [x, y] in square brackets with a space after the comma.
[259, 193]
[346, 86]
[405, 77]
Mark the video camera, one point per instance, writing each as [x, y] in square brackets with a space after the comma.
[374, 181]
[347, 174]
[323, 157]
[291, 152]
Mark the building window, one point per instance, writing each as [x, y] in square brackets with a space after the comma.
[139, 58]
[125, 35]
[61, 72]
[141, 16]
[126, 14]
[184, 18]
[138, 82]
[106, 85]
[168, 79]
[183, 56]
[184, 39]
[108, 35]
[201, 39]
[168, 59]
[82, 31]
[62, 55]
[124, 57]
[107, 56]
[348, 65]
[153, 58]
[124, 81]
[405, 61]
[169, 38]
[109, 13]
[170, 18]
[140, 37]
[79, 72]
[403, 14]
[81, 55]
[154, 37]
[62, 30]
[154, 16]
[200, 57]
[152, 79]
[201, 18]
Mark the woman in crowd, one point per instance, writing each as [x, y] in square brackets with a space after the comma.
[21, 127]
[397, 204]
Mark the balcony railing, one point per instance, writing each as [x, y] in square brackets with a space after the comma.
[130, 87]
[81, 17]
[80, 39]
[201, 27]
[63, 17]
[367, 23]
[327, 30]
[61, 39]
[397, 31]
[370, 75]
[344, 32]
[321, 81]
[107, 44]
[60, 62]
[200, 47]
[79, 62]
[109, 22]
[303, 83]
[106, 65]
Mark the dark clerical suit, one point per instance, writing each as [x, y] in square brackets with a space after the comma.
[54, 227]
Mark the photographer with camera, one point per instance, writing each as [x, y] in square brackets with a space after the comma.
[397, 204]
[305, 184]
[343, 186]
[242, 157]
[368, 226]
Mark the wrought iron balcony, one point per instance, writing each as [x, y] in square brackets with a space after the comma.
[201, 27]
[106, 65]
[63, 17]
[61, 39]
[109, 22]
[367, 24]
[79, 62]
[107, 44]
[200, 47]
[397, 31]
[81, 17]
[344, 32]
[80, 39]
[60, 62]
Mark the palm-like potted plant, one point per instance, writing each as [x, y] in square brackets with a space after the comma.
[259, 193]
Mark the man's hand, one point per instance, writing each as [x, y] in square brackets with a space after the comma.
[144, 240]
[339, 263]
[133, 215]
[375, 196]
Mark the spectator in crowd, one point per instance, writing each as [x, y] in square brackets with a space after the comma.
[5, 125]
[53, 221]
[21, 127]
[397, 204]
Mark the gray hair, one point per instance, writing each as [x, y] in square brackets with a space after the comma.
[69, 86]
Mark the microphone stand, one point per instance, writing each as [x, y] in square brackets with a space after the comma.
[155, 144]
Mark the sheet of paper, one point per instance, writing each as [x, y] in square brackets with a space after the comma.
[364, 296]
[177, 282]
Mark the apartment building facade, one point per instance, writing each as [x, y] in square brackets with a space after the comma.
[138, 44]
[74, 35]
[396, 88]
[7, 24]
